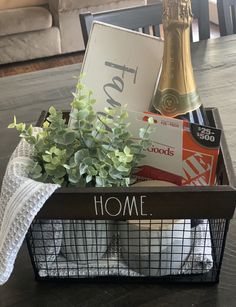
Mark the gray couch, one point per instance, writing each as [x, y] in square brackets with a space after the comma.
[32, 29]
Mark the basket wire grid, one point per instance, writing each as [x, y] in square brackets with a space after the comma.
[165, 250]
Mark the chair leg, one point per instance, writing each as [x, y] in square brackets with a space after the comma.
[225, 17]
[204, 26]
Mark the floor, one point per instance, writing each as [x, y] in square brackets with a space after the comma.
[61, 60]
[39, 64]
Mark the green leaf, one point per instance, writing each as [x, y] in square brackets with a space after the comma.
[52, 111]
[89, 141]
[92, 101]
[125, 135]
[20, 127]
[146, 143]
[37, 168]
[88, 161]
[110, 111]
[47, 158]
[115, 174]
[117, 131]
[58, 180]
[73, 175]
[35, 171]
[83, 169]
[88, 178]
[142, 132]
[103, 173]
[65, 137]
[122, 168]
[73, 113]
[80, 155]
[126, 159]
[73, 179]
[66, 166]
[55, 161]
[56, 151]
[100, 182]
[80, 86]
[50, 167]
[82, 114]
[92, 171]
[46, 124]
[30, 130]
[127, 181]
[124, 115]
[13, 125]
[36, 175]
[127, 150]
[59, 172]
[49, 172]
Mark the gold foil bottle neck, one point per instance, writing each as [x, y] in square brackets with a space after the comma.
[177, 12]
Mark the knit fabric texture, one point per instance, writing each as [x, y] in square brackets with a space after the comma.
[21, 199]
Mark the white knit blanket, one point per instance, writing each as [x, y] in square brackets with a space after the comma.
[20, 200]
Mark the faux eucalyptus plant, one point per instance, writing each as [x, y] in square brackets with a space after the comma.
[89, 150]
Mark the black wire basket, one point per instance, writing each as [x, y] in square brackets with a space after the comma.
[160, 234]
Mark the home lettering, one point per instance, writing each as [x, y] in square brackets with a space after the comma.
[113, 206]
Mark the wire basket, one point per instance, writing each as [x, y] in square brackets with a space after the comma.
[137, 249]
[116, 234]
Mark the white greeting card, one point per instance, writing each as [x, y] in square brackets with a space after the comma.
[121, 66]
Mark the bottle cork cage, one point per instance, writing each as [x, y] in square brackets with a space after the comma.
[163, 234]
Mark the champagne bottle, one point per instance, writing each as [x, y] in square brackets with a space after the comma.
[176, 94]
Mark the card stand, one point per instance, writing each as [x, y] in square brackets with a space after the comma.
[161, 234]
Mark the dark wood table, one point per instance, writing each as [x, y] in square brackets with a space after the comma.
[26, 95]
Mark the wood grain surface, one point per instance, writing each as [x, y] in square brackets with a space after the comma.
[26, 95]
[12, 69]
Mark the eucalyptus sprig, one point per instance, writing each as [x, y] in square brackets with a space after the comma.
[91, 150]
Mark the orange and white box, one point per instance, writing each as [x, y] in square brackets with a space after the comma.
[180, 152]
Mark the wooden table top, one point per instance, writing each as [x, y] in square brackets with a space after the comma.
[26, 95]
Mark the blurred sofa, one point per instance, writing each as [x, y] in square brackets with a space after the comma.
[32, 29]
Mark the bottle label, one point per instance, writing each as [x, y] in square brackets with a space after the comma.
[170, 103]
